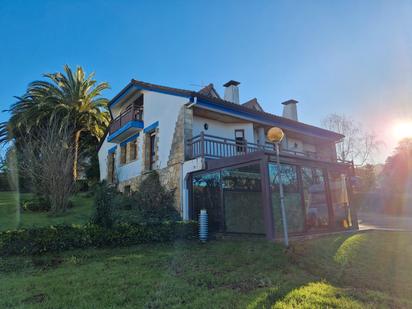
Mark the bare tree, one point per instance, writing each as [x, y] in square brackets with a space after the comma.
[358, 144]
[47, 158]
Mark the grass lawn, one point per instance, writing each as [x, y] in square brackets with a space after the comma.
[364, 270]
[12, 218]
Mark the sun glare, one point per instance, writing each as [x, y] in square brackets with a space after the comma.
[403, 130]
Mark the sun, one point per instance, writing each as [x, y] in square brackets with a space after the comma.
[403, 130]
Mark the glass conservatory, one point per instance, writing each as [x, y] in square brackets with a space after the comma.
[243, 197]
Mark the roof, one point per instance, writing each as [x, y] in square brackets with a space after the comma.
[209, 90]
[204, 95]
[253, 104]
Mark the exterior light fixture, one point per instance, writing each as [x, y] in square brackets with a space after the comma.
[275, 135]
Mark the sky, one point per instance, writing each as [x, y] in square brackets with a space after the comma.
[346, 57]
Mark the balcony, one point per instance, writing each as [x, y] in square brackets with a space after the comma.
[125, 125]
[214, 147]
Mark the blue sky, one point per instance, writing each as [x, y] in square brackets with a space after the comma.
[351, 57]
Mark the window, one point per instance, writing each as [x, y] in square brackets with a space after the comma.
[127, 190]
[133, 150]
[316, 205]
[123, 154]
[152, 150]
[240, 140]
[242, 199]
[340, 199]
[295, 216]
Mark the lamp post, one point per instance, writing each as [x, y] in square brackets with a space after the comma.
[275, 135]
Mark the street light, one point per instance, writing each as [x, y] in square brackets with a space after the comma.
[275, 135]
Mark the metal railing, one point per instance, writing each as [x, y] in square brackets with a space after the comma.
[215, 147]
[130, 114]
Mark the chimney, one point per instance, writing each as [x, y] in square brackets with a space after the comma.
[232, 91]
[289, 110]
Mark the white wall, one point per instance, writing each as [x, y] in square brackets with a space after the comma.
[226, 130]
[165, 109]
[298, 145]
[102, 154]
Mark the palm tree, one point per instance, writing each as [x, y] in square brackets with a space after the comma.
[71, 96]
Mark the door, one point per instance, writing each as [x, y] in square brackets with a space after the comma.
[240, 141]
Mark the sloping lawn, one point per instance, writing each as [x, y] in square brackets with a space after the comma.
[376, 260]
[330, 272]
[12, 218]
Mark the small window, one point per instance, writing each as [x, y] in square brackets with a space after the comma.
[133, 150]
[123, 154]
[127, 190]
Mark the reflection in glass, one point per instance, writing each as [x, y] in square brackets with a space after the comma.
[316, 205]
[242, 196]
[206, 195]
[292, 198]
[340, 199]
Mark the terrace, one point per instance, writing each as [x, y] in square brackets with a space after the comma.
[215, 147]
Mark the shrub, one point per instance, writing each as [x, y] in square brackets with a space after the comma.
[81, 185]
[38, 204]
[63, 237]
[153, 201]
[104, 212]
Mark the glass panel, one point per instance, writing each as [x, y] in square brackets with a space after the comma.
[316, 205]
[340, 199]
[242, 195]
[206, 195]
[292, 198]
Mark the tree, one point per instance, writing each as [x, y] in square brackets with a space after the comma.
[397, 180]
[368, 176]
[69, 97]
[358, 145]
[47, 158]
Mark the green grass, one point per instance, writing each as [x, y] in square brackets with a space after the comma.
[375, 260]
[346, 271]
[363, 270]
[12, 218]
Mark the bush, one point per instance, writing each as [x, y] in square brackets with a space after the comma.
[154, 202]
[104, 205]
[38, 204]
[63, 237]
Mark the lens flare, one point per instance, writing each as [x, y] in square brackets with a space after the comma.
[403, 130]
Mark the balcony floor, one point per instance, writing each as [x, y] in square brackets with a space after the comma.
[130, 128]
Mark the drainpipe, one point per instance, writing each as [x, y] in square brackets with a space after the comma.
[183, 194]
[262, 136]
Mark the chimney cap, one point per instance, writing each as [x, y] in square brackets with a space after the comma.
[291, 101]
[230, 83]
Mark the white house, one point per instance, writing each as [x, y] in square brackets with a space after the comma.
[213, 152]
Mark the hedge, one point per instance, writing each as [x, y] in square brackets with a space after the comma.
[65, 237]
